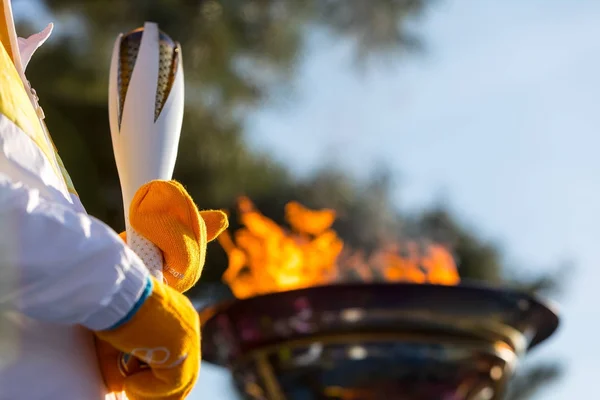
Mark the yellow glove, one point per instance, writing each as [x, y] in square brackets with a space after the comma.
[164, 332]
[164, 213]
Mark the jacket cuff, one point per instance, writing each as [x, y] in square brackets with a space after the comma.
[145, 294]
[130, 292]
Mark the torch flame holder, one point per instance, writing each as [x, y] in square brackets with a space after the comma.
[376, 341]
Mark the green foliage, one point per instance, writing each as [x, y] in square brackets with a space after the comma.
[235, 54]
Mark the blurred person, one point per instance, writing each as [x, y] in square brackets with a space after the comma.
[73, 295]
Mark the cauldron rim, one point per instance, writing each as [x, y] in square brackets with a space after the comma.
[470, 295]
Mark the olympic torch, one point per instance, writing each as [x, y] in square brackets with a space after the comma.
[145, 103]
[146, 100]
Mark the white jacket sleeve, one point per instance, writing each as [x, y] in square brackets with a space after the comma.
[58, 265]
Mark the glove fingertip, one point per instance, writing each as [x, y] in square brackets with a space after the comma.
[216, 222]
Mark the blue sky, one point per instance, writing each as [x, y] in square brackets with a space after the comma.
[499, 117]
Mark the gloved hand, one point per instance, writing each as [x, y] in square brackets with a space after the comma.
[164, 213]
[164, 332]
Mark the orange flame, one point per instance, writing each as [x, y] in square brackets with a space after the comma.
[265, 257]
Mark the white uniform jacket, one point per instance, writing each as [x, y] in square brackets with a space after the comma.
[60, 269]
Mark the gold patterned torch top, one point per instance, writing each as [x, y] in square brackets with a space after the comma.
[169, 59]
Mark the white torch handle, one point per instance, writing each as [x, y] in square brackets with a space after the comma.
[146, 251]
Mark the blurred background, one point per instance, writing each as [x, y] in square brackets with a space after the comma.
[472, 122]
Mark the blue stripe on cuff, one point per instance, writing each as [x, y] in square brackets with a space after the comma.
[145, 294]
